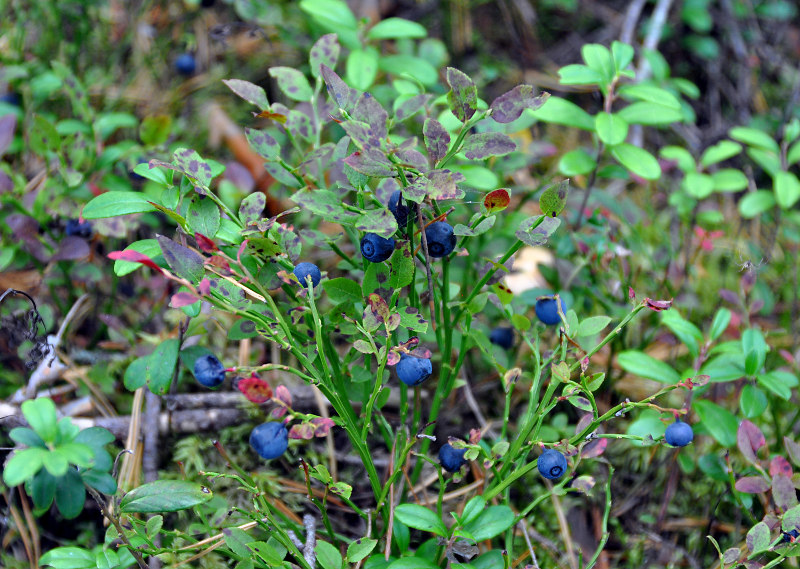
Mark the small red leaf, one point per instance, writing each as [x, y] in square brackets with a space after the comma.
[752, 485]
[322, 426]
[595, 448]
[182, 299]
[282, 394]
[302, 431]
[393, 358]
[749, 439]
[658, 305]
[254, 389]
[779, 465]
[496, 200]
[206, 245]
[134, 257]
[204, 287]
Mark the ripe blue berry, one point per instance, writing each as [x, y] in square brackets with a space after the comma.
[547, 310]
[270, 440]
[503, 337]
[552, 464]
[75, 228]
[375, 248]
[451, 459]
[678, 434]
[185, 64]
[11, 99]
[399, 210]
[441, 239]
[412, 370]
[209, 371]
[303, 270]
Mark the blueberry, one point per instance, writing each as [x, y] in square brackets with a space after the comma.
[185, 64]
[303, 270]
[270, 440]
[679, 434]
[452, 459]
[790, 536]
[547, 310]
[441, 239]
[399, 210]
[375, 248]
[75, 228]
[209, 371]
[552, 464]
[11, 99]
[412, 370]
[503, 337]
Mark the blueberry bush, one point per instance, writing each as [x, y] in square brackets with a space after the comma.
[415, 313]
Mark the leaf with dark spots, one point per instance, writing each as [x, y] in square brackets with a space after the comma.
[191, 164]
[437, 139]
[134, 257]
[322, 154]
[379, 221]
[783, 492]
[779, 465]
[299, 125]
[443, 185]
[362, 134]
[324, 51]
[251, 208]
[303, 431]
[326, 204]
[378, 306]
[371, 163]
[8, 123]
[322, 426]
[749, 439]
[248, 91]
[538, 235]
[594, 448]
[509, 106]
[657, 305]
[413, 158]
[272, 114]
[266, 146]
[370, 111]
[752, 485]
[410, 107]
[485, 144]
[280, 173]
[554, 198]
[339, 91]
[292, 82]
[71, 248]
[463, 95]
[183, 261]
[497, 200]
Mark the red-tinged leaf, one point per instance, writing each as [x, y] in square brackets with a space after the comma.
[631, 294]
[779, 465]
[752, 485]
[186, 263]
[254, 389]
[595, 448]
[749, 439]
[793, 449]
[204, 287]
[303, 431]
[322, 426]
[393, 358]
[783, 492]
[421, 353]
[182, 299]
[474, 436]
[271, 115]
[370, 162]
[205, 244]
[583, 484]
[658, 305]
[583, 422]
[378, 306]
[282, 394]
[134, 257]
[278, 412]
[497, 200]
[509, 106]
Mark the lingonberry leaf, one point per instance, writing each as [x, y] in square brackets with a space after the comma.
[497, 200]
[463, 95]
[292, 82]
[324, 51]
[437, 139]
[485, 144]
[249, 92]
[183, 261]
[509, 106]
[266, 146]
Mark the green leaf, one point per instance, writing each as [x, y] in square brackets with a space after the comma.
[155, 174]
[411, 563]
[362, 68]
[651, 94]
[55, 463]
[493, 521]
[401, 266]
[395, 28]
[27, 437]
[463, 95]
[103, 482]
[576, 163]
[752, 401]
[203, 216]
[43, 489]
[638, 161]
[269, 554]
[360, 548]
[554, 199]
[416, 67]
[560, 111]
[643, 365]
[729, 180]
[720, 323]
[292, 82]
[768, 160]
[249, 92]
[787, 189]
[379, 221]
[778, 382]
[720, 423]
[134, 377]
[689, 334]
[43, 136]
[69, 558]
[186, 263]
[76, 453]
[164, 496]
[754, 137]
[756, 203]
[793, 155]
[148, 247]
[112, 204]
[421, 518]
[622, 54]
[680, 155]
[333, 14]
[23, 465]
[599, 59]
[155, 130]
[342, 290]
[160, 366]
[70, 495]
[473, 509]
[577, 74]
[755, 350]
[758, 538]
[328, 556]
[643, 112]
[719, 152]
[154, 525]
[106, 123]
[594, 325]
[41, 416]
[263, 143]
[611, 129]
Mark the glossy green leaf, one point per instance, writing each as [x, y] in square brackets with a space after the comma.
[362, 68]
[577, 74]
[576, 163]
[160, 366]
[164, 496]
[41, 416]
[610, 128]
[23, 464]
[719, 152]
[756, 203]
[718, 421]
[493, 521]
[646, 113]
[752, 401]
[342, 290]
[787, 189]
[328, 556]
[643, 365]
[778, 382]
[593, 325]
[729, 180]
[203, 216]
[26, 436]
[421, 518]
[720, 323]
[401, 266]
[598, 58]
[43, 489]
[416, 67]
[112, 204]
[651, 94]
[69, 558]
[689, 334]
[622, 54]
[360, 548]
[395, 28]
[755, 350]
[70, 494]
[637, 160]
[754, 137]
[560, 111]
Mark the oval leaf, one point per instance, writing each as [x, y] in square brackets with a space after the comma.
[164, 496]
